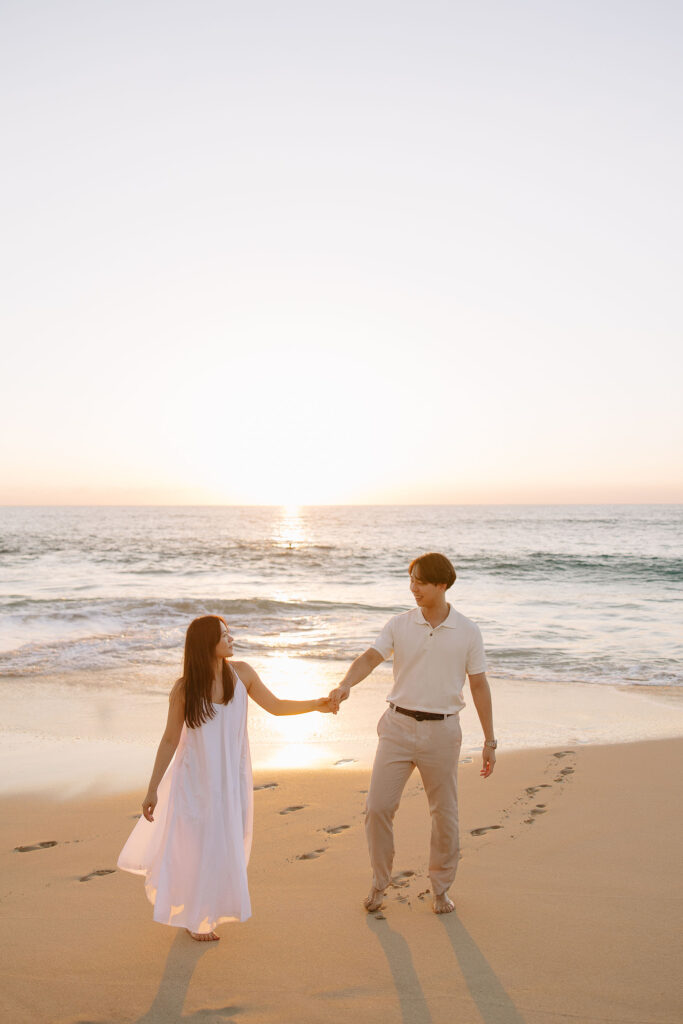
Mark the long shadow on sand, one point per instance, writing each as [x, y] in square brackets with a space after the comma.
[414, 1009]
[489, 996]
[167, 1006]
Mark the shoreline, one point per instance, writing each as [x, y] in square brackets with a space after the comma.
[66, 738]
[555, 920]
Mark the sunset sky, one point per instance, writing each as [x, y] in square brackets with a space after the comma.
[308, 253]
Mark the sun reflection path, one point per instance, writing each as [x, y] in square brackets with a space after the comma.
[289, 530]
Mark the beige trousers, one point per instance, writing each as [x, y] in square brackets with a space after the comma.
[433, 747]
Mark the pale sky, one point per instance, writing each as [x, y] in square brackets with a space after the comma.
[307, 253]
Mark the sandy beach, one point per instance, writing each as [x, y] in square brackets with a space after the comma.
[568, 905]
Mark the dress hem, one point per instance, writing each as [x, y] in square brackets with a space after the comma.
[220, 920]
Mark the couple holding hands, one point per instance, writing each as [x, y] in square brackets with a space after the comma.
[193, 841]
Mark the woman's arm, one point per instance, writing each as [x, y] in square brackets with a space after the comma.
[167, 747]
[259, 692]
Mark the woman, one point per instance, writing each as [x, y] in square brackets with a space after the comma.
[193, 841]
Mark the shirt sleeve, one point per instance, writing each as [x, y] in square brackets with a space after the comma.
[384, 643]
[476, 659]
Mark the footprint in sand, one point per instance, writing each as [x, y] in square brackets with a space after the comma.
[266, 785]
[294, 807]
[346, 760]
[538, 809]
[336, 830]
[37, 846]
[483, 829]
[567, 771]
[94, 874]
[533, 790]
[310, 856]
[421, 895]
[562, 753]
[400, 880]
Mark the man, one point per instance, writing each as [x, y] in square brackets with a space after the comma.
[434, 648]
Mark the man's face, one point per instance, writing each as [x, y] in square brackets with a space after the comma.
[425, 594]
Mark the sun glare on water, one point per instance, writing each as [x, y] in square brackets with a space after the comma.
[291, 741]
[289, 530]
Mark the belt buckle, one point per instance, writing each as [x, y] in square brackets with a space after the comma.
[419, 717]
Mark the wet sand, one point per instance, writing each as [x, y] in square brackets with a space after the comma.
[568, 905]
[66, 738]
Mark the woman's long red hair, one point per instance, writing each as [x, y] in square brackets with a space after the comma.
[203, 634]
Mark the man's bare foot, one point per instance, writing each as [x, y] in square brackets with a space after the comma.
[443, 904]
[203, 936]
[374, 899]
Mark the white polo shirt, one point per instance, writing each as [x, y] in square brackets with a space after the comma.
[430, 664]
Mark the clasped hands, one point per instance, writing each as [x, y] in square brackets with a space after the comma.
[330, 704]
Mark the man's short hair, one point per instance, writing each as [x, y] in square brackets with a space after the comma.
[433, 568]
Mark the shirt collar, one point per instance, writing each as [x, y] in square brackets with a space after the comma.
[449, 621]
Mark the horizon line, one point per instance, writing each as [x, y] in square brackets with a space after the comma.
[360, 504]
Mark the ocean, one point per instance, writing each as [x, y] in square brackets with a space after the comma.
[573, 594]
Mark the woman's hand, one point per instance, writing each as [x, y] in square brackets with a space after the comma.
[148, 805]
[326, 706]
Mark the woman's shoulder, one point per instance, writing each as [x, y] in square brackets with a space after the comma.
[177, 691]
[243, 671]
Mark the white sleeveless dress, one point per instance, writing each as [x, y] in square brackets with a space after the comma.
[194, 854]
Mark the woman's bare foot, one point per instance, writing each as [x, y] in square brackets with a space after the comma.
[443, 904]
[374, 899]
[203, 936]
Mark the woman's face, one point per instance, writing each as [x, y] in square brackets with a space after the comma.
[224, 645]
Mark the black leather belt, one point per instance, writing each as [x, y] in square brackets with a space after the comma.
[420, 716]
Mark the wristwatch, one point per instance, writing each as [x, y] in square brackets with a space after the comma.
[491, 743]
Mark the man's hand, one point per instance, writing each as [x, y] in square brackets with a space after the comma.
[358, 670]
[488, 756]
[339, 694]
